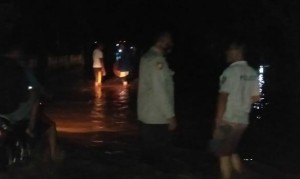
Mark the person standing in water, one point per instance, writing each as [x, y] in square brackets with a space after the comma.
[239, 89]
[98, 64]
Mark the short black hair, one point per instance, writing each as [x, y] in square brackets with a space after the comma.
[157, 37]
[240, 45]
[99, 44]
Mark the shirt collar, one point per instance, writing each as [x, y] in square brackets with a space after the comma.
[239, 63]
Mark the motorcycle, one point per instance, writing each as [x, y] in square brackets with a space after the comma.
[15, 145]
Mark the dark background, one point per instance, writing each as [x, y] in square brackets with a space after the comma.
[265, 24]
[270, 28]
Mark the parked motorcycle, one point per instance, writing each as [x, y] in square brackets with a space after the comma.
[15, 145]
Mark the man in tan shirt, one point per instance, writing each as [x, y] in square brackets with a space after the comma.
[156, 101]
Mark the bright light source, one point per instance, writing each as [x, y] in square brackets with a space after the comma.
[95, 42]
[117, 45]
[246, 159]
[120, 50]
[123, 74]
[29, 87]
[261, 69]
[131, 47]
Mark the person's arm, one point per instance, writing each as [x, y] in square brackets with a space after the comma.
[102, 66]
[221, 107]
[256, 92]
[255, 99]
[33, 118]
[172, 124]
[101, 61]
[163, 101]
[226, 83]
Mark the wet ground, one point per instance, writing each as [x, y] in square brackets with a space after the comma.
[97, 130]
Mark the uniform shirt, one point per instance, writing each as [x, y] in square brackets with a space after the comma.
[240, 81]
[97, 55]
[155, 90]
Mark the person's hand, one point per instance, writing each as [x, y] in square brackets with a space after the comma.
[172, 124]
[255, 99]
[219, 122]
[103, 72]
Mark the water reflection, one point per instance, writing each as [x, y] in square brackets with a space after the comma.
[97, 110]
[87, 114]
[111, 105]
[98, 91]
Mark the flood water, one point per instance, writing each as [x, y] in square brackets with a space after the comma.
[98, 130]
[89, 115]
[92, 117]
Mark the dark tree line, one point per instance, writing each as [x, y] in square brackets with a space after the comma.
[271, 27]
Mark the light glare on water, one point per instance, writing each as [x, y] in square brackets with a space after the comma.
[107, 109]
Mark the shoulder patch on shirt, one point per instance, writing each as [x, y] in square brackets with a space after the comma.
[223, 79]
[159, 65]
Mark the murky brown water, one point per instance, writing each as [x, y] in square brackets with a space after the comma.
[93, 115]
[105, 116]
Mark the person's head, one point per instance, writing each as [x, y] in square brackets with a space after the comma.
[235, 52]
[164, 42]
[100, 45]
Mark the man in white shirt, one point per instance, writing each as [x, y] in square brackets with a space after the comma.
[98, 64]
[239, 89]
[156, 101]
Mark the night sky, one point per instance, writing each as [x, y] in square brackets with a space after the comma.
[203, 24]
[270, 28]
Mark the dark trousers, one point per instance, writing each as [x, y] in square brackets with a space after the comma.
[155, 143]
